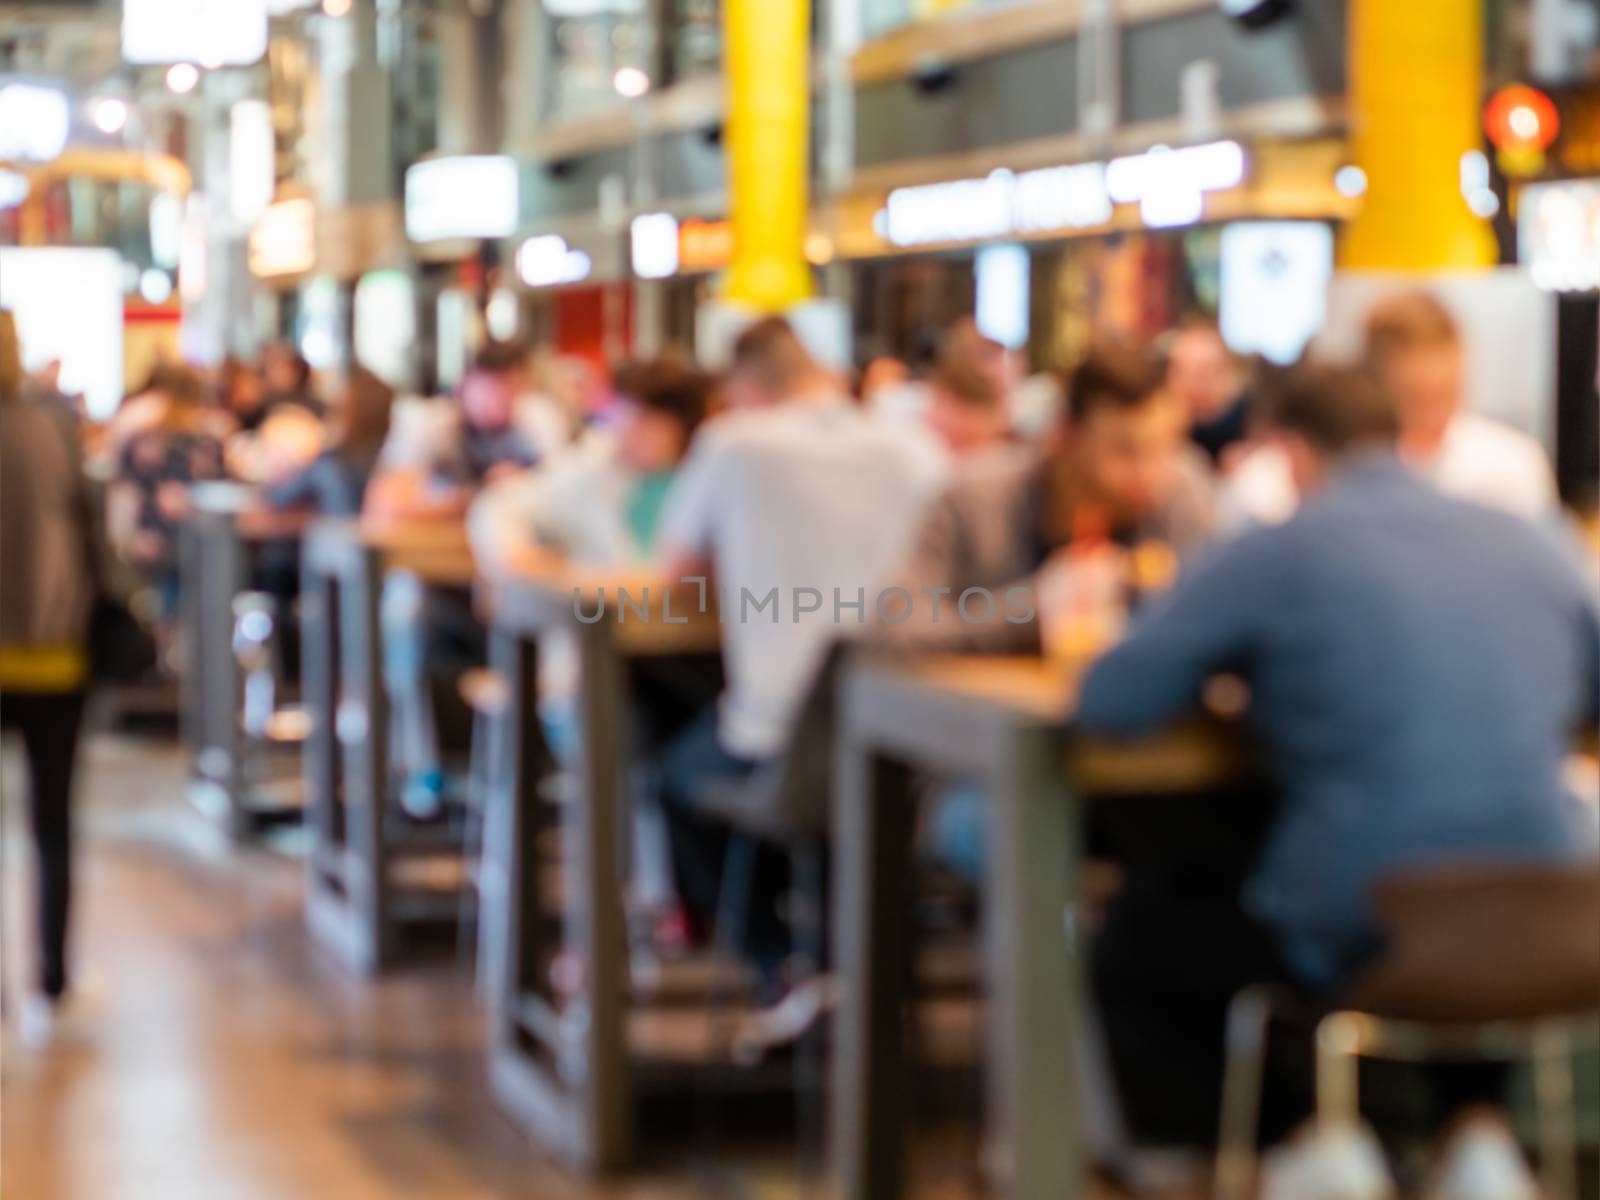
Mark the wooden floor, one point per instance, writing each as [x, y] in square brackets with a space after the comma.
[222, 1058]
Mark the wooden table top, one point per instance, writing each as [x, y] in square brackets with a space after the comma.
[438, 551]
[658, 618]
[1198, 752]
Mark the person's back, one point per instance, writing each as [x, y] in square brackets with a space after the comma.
[815, 502]
[1418, 665]
[1417, 673]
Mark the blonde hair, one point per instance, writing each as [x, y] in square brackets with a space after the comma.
[1408, 321]
[10, 358]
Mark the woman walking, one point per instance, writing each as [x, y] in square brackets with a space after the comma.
[46, 591]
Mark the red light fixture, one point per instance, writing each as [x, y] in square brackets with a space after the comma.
[1521, 122]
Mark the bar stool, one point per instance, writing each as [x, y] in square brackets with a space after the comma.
[1493, 964]
[486, 693]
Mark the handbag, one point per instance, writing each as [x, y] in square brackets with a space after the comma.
[121, 649]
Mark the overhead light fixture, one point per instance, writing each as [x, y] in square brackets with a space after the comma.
[655, 245]
[1350, 181]
[13, 189]
[630, 82]
[547, 260]
[155, 285]
[1256, 14]
[215, 33]
[110, 114]
[34, 122]
[335, 8]
[182, 77]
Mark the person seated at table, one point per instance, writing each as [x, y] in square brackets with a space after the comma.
[1417, 665]
[433, 465]
[170, 441]
[601, 505]
[967, 408]
[794, 498]
[335, 482]
[496, 430]
[1208, 380]
[1416, 348]
[285, 382]
[1116, 463]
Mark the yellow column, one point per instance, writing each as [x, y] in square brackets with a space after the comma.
[767, 57]
[1416, 87]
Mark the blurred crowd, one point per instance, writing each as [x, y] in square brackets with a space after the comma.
[1389, 574]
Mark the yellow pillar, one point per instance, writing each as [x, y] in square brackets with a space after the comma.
[1416, 88]
[767, 57]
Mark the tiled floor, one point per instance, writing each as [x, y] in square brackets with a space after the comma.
[224, 1059]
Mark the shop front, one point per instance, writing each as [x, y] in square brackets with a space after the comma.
[1050, 258]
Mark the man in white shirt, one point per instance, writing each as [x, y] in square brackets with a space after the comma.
[794, 506]
[1414, 345]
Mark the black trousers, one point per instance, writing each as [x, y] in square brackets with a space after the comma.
[1175, 949]
[49, 724]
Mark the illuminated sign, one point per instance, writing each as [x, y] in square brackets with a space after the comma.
[1169, 185]
[655, 245]
[1000, 205]
[13, 189]
[34, 122]
[68, 305]
[252, 159]
[284, 240]
[1275, 277]
[1001, 274]
[469, 196]
[1558, 234]
[212, 33]
[385, 325]
[194, 263]
[705, 245]
[547, 260]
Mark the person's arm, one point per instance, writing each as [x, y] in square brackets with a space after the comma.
[922, 613]
[1208, 624]
[413, 494]
[687, 534]
[299, 490]
[504, 526]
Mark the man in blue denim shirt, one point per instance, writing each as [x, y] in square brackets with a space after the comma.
[1418, 666]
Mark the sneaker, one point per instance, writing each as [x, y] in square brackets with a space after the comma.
[1482, 1161]
[1341, 1163]
[786, 1022]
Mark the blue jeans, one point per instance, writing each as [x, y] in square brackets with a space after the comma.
[687, 765]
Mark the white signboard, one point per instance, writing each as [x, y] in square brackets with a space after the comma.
[1003, 300]
[655, 245]
[547, 260]
[469, 196]
[284, 240]
[386, 326]
[34, 122]
[1558, 234]
[1274, 286]
[68, 305]
[1169, 185]
[252, 160]
[1000, 205]
[211, 33]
